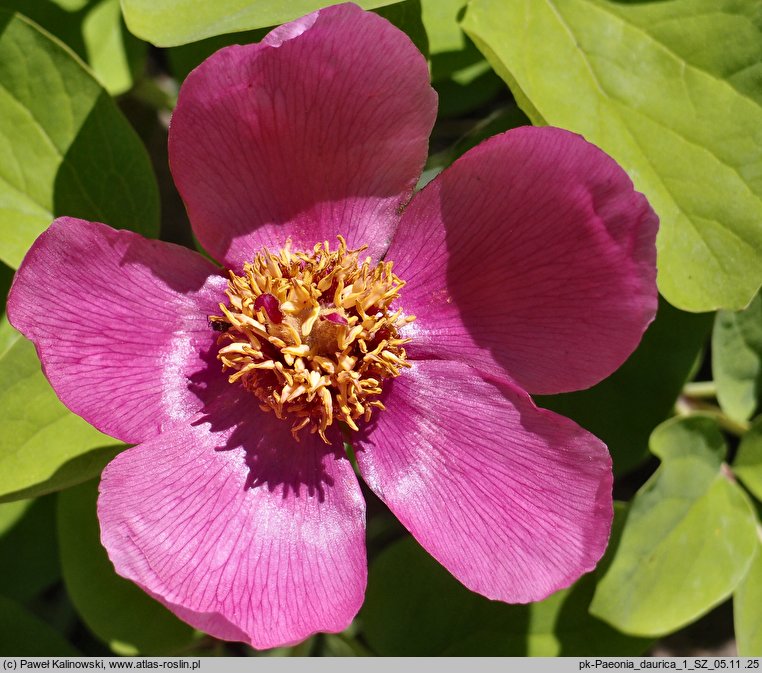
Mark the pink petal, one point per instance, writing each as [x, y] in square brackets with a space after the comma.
[319, 130]
[120, 324]
[241, 531]
[532, 253]
[513, 500]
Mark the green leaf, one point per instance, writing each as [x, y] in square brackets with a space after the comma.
[114, 609]
[450, 49]
[342, 645]
[747, 465]
[737, 360]
[62, 22]
[10, 514]
[462, 78]
[414, 607]
[168, 23]
[747, 610]
[662, 88]
[43, 446]
[67, 149]
[94, 30]
[114, 54]
[624, 408]
[28, 549]
[71, 5]
[688, 540]
[8, 337]
[24, 635]
[445, 36]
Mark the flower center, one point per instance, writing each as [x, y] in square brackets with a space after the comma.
[312, 335]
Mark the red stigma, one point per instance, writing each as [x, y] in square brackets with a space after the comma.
[271, 306]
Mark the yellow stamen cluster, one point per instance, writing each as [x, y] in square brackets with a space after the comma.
[312, 335]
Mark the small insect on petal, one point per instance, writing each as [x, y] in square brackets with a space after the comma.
[219, 325]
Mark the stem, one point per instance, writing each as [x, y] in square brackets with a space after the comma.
[357, 648]
[302, 649]
[686, 406]
[160, 94]
[700, 390]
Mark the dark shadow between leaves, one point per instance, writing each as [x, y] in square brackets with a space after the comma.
[579, 633]
[6, 278]
[105, 175]
[430, 613]
[5, 18]
[66, 26]
[653, 376]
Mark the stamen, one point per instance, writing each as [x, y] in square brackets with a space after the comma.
[312, 335]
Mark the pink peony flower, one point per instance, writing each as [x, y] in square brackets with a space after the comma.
[529, 267]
